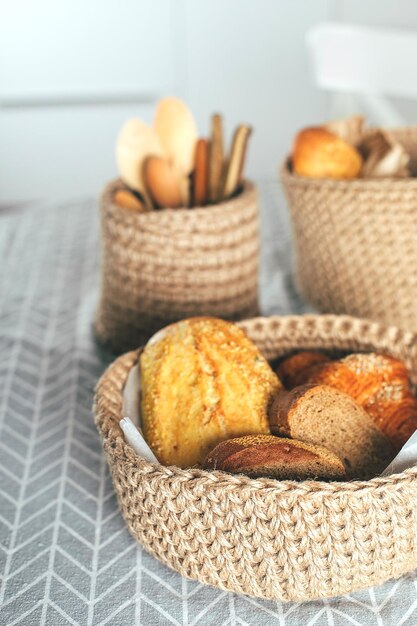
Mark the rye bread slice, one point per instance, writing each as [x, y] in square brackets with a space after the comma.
[325, 416]
[275, 457]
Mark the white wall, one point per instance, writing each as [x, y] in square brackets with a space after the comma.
[248, 60]
[72, 71]
[242, 57]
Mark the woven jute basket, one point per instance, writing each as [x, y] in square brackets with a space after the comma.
[163, 266]
[279, 540]
[355, 242]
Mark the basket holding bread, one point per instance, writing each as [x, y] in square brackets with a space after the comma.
[210, 399]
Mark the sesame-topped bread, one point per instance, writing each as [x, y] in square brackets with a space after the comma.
[380, 384]
[325, 416]
[203, 381]
[275, 457]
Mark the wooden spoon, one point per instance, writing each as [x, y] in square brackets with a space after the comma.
[128, 200]
[136, 142]
[176, 129]
[162, 183]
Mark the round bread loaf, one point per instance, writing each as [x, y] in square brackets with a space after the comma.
[318, 153]
[203, 381]
[275, 457]
[325, 416]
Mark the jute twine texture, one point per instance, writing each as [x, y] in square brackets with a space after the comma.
[355, 242]
[276, 540]
[166, 265]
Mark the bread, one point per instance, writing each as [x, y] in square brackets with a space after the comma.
[325, 416]
[379, 383]
[383, 156]
[399, 419]
[293, 370]
[203, 381]
[264, 455]
[318, 153]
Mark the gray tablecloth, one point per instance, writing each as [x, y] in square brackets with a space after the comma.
[66, 557]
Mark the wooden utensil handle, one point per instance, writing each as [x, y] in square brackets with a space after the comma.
[216, 159]
[237, 160]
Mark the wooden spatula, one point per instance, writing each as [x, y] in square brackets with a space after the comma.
[237, 160]
[216, 159]
[201, 160]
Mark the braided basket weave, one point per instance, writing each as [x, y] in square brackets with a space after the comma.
[163, 266]
[276, 540]
[355, 242]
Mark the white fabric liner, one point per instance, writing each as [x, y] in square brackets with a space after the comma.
[131, 422]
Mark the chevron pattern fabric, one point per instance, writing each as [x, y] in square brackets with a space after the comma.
[65, 554]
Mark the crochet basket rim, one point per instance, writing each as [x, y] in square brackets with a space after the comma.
[194, 213]
[116, 447]
[360, 184]
[392, 184]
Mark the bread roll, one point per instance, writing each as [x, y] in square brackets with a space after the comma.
[327, 417]
[203, 381]
[399, 418]
[319, 153]
[264, 455]
[383, 156]
[292, 370]
[379, 383]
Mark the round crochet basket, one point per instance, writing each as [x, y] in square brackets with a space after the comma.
[355, 242]
[163, 266]
[279, 540]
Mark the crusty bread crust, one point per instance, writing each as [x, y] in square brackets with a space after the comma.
[265, 455]
[283, 406]
[319, 153]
